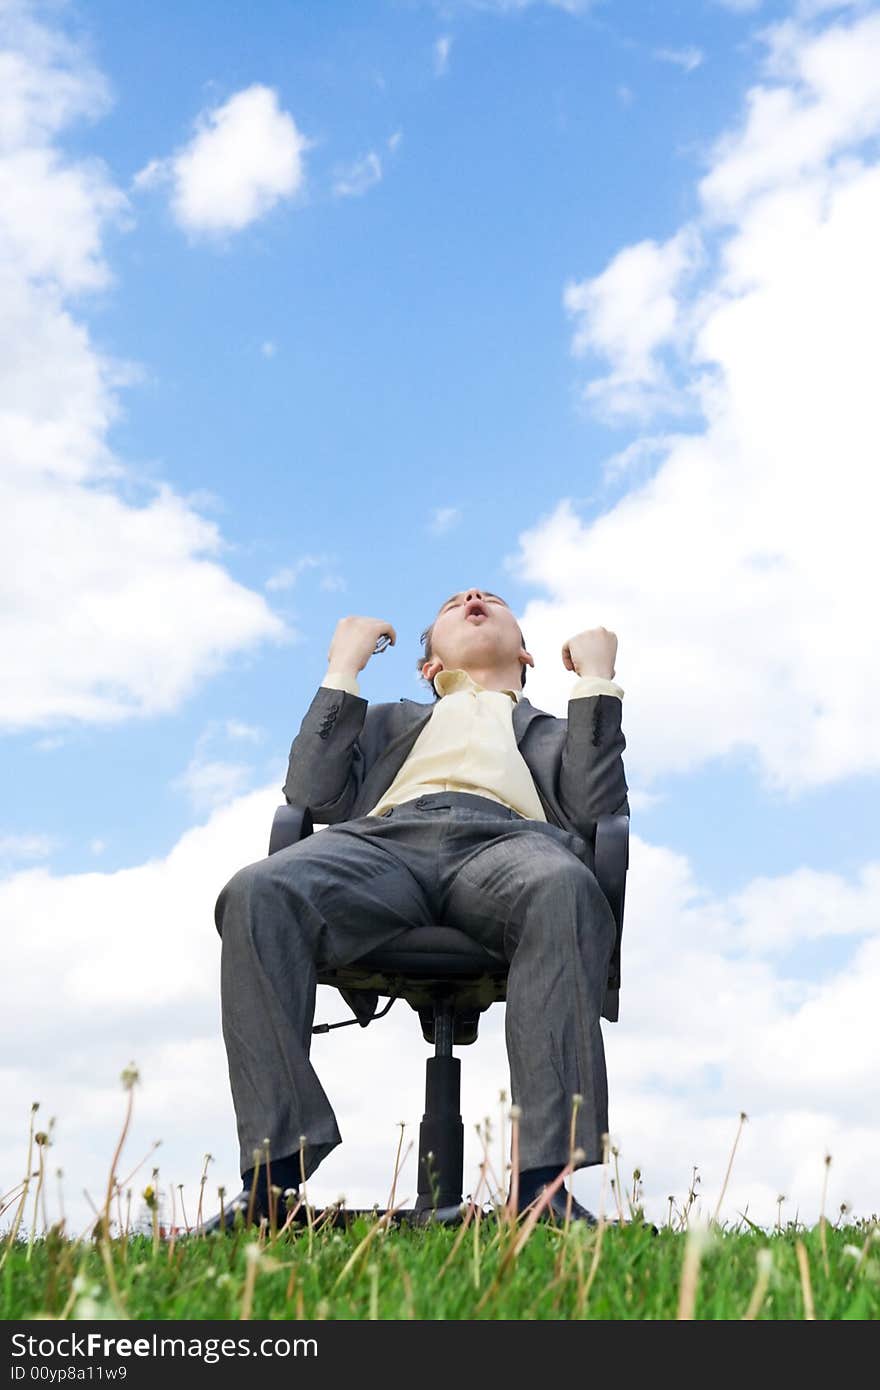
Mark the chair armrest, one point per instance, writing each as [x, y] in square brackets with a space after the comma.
[612, 862]
[291, 823]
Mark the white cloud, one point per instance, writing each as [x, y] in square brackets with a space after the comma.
[572, 7]
[812, 9]
[627, 314]
[442, 47]
[268, 348]
[394, 139]
[236, 728]
[89, 579]
[52, 216]
[706, 1000]
[745, 613]
[642, 451]
[211, 782]
[443, 519]
[353, 180]
[827, 98]
[245, 157]
[14, 848]
[686, 58]
[288, 575]
[46, 81]
[741, 6]
[211, 778]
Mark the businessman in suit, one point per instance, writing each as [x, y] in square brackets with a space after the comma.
[476, 809]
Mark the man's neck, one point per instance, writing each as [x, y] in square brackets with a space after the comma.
[489, 678]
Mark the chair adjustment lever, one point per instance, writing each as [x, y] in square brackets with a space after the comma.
[347, 1022]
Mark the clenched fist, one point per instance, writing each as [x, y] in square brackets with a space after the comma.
[354, 642]
[591, 653]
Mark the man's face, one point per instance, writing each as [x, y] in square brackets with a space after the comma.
[475, 628]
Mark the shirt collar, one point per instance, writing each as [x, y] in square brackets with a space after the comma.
[448, 682]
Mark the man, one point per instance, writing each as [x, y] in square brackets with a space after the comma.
[477, 810]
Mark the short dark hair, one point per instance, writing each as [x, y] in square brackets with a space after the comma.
[426, 639]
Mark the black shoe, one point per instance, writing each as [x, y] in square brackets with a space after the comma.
[227, 1220]
[555, 1209]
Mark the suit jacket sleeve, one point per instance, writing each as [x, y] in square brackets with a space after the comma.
[591, 778]
[326, 766]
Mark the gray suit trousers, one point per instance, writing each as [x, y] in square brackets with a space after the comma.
[514, 884]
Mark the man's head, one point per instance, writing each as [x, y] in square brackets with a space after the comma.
[476, 631]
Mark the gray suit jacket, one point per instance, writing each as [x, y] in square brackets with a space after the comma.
[348, 752]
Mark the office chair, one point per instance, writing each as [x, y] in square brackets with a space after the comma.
[449, 980]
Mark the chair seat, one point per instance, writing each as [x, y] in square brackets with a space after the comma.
[422, 963]
[433, 950]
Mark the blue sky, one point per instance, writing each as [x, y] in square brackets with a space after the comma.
[329, 309]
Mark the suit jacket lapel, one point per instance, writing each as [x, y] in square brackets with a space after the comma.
[393, 756]
[523, 714]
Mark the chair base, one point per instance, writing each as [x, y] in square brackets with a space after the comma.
[345, 1217]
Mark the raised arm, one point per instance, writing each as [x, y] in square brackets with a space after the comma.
[326, 767]
[592, 782]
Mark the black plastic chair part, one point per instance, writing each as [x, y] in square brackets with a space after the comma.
[449, 980]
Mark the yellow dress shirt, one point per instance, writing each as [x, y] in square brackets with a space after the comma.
[469, 744]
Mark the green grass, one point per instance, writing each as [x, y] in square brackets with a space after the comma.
[417, 1273]
[488, 1268]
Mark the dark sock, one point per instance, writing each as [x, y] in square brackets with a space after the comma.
[283, 1173]
[531, 1180]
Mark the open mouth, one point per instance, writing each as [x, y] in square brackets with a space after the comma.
[475, 610]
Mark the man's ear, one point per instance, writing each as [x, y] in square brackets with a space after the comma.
[432, 668]
[525, 657]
